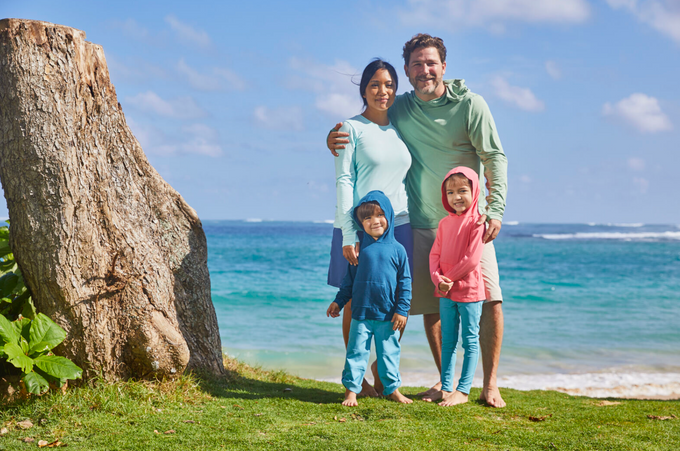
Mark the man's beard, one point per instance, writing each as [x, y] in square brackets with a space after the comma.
[427, 90]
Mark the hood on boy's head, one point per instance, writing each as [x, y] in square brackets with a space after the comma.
[474, 180]
[386, 205]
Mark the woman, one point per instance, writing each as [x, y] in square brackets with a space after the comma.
[375, 159]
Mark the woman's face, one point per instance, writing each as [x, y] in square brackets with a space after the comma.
[380, 93]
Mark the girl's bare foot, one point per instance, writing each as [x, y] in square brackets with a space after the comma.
[396, 396]
[433, 396]
[377, 383]
[429, 393]
[350, 399]
[453, 398]
[367, 390]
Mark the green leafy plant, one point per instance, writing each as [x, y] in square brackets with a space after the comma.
[15, 299]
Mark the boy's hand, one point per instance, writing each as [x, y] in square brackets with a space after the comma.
[334, 310]
[336, 139]
[398, 322]
[445, 285]
[351, 253]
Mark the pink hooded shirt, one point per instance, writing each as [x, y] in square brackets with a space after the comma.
[457, 250]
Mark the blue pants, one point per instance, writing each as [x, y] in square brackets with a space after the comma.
[457, 316]
[359, 349]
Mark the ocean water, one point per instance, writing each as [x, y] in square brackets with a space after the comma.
[589, 308]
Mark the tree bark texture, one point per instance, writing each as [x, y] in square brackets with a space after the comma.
[108, 249]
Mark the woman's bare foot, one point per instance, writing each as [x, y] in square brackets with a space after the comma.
[431, 392]
[434, 396]
[367, 390]
[453, 398]
[377, 383]
[492, 397]
[396, 396]
[350, 399]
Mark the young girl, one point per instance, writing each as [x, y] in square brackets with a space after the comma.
[456, 272]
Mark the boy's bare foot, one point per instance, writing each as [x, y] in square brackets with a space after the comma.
[350, 399]
[435, 396]
[453, 398]
[429, 393]
[367, 390]
[396, 396]
[377, 383]
[492, 397]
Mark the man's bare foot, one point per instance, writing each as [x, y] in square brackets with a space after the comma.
[377, 383]
[435, 396]
[350, 399]
[453, 398]
[429, 393]
[396, 396]
[492, 397]
[367, 390]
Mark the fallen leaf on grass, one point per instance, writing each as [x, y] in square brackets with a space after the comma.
[655, 417]
[540, 418]
[357, 417]
[26, 424]
[607, 403]
[4, 431]
[155, 431]
[257, 414]
[308, 424]
[28, 440]
[238, 407]
[341, 420]
[54, 444]
[287, 390]
[169, 431]
[189, 421]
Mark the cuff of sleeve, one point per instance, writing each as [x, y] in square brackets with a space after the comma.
[349, 240]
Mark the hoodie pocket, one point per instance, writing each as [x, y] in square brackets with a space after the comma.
[373, 296]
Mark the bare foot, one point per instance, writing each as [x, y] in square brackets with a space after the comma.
[377, 383]
[396, 396]
[429, 393]
[435, 396]
[492, 397]
[367, 390]
[350, 399]
[453, 398]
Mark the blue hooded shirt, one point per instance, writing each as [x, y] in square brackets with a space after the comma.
[380, 285]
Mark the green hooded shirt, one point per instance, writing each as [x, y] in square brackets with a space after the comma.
[456, 129]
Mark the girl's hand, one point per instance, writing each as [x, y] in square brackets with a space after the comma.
[398, 322]
[445, 285]
[333, 310]
[351, 253]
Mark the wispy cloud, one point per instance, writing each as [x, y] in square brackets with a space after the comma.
[553, 70]
[662, 15]
[522, 98]
[641, 111]
[220, 79]
[285, 118]
[131, 29]
[336, 95]
[139, 71]
[493, 14]
[636, 164]
[187, 33]
[198, 139]
[180, 107]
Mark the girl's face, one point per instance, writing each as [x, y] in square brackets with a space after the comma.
[458, 194]
[380, 93]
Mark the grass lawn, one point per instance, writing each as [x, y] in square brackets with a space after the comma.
[252, 409]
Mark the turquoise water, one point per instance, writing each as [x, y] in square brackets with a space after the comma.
[578, 299]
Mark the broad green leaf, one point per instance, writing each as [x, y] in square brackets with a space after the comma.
[23, 327]
[35, 383]
[8, 300]
[4, 233]
[4, 249]
[57, 366]
[7, 331]
[45, 333]
[8, 265]
[24, 345]
[7, 284]
[16, 356]
[28, 309]
[59, 382]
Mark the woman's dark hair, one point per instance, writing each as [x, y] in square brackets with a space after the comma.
[370, 71]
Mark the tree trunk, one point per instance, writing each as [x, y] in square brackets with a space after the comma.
[108, 249]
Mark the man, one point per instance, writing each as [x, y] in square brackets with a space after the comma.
[445, 125]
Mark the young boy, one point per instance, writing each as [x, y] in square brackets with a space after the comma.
[456, 272]
[380, 290]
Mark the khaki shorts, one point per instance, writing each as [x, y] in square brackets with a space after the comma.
[424, 301]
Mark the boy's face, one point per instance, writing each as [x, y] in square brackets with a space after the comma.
[375, 224]
[458, 195]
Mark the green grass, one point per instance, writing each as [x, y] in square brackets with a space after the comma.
[249, 409]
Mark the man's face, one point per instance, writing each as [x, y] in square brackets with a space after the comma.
[425, 71]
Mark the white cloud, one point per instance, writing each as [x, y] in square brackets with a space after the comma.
[492, 14]
[221, 79]
[553, 70]
[641, 184]
[180, 107]
[636, 164]
[522, 98]
[336, 95]
[132, 29]
[188, 33]
[138, 71]
[279, 118]
[202, 140]
[640, 111]
[525, 179]
[193, 139]
[663, 15]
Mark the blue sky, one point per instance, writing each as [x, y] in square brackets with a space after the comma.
[232, 101]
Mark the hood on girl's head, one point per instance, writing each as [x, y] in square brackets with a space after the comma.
[386, 205]
[473, 177]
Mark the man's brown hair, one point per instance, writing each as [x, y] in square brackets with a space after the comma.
[423, 40]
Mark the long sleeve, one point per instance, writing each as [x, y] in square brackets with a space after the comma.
[345, 293]
[403, 286]
[345, 179]
[435, 252]
[484, 138]
[472, 256]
